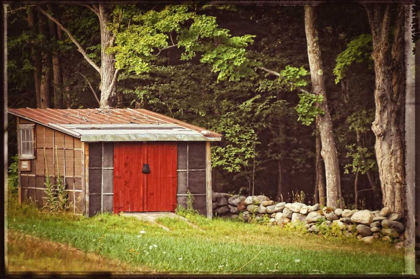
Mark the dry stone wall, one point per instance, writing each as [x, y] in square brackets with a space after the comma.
[366, 225]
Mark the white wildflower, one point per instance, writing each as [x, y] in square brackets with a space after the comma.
[297, 260]
[142, 232]
[180, 259]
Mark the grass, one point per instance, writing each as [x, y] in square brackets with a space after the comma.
[223, 247]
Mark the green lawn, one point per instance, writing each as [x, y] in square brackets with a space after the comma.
[224, 246]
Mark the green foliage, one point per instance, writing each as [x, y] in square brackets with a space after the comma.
[189, 211]
[358, 50]
[360, 121]
[307, 108]
[362, 159]
[298, 197]
[298, 227]
[293, 77]
[13, 175]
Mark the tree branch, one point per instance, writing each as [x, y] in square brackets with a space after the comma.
[92, 9]
[91, 88]
[165, 48]
[281, 77]
[114, 80]
[79, 47]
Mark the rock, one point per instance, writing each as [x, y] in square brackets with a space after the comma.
[297, 217]
[375, 229]
[233, 209]
[295, 207]
[252, 208]
[313, 216]
[316, 207]
[248, 200]
[368, 239]
[314, 229]
[375, 224]
[308, 225]
[359, 237]
[348, 234]
[338, 212]
[362, 217]
[376, 213]
[214, 205]
[304, 210]
[285, 221]
[241, 206]
[399, 245]
[376, 235]
[235, 200]
[328, 223]
[393, 224]
[267, 203]
[348, 213]
[330, 216]
[287, 213]
[363, 230]
[276, 208]
[272, 220]
[390, 232]
[387, 238]
[222, 202]
[214, 196]
[222, 210]
[340, 224]
[245, 216]
[378, 219]
[279, 217]
[259, 199]
[262, 209]
[234, 216]
[346, 220]
[394, 217]
[385, 212]
[273, 215]
[351, 227]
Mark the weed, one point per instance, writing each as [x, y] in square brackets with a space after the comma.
[12, 179]
[186, 212]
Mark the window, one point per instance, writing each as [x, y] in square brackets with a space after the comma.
[26, 141]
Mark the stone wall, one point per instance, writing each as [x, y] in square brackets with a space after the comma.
[366, 225]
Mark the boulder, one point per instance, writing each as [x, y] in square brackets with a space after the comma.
[330, 216]
[248, 200]
[259, 199]
[214, 205]
[241, 206]
[399, 245]
[276, 208]
[394, 217]
[390, 232]
[233, 209]
[375, 229]
[245, 216]
[262, 209]
[363, 230]
[222, 202]
[375, 224]
[351, 227]
[328, 223]
[314, 229]
[235, 200]
[346, 220]
[368, 239]
[272, 220]
[267, 203]
[222, 210]
[393, 224]
[385, 212]
[376, 235]
[340, 224]
[297, 217]
[214, 196]
[313, 216]
[295, 207]
[285, 221]
[316, 207]
[338, 212]
[376, 213]
[287, 213]
[362, 217]
[304, 210]
[348, 213]
[252, 208]
[387, 239]
[359, 237]
[378, 219]
[279, 217]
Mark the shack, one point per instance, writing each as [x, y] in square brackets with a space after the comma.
[114, 160]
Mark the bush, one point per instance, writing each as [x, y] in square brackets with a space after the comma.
[12, 179]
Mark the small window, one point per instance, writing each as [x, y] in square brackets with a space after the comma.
[26, 141]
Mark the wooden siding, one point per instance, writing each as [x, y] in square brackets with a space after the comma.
[60, 151]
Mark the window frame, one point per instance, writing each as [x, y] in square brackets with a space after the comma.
[21, 128]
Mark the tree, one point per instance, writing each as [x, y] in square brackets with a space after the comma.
[388, 126]
[329, 151]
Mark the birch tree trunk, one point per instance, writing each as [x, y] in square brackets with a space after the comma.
[35, 57]
[329, 151]
[389, 103]
[46, 75]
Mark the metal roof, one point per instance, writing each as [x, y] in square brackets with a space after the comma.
[92, 125]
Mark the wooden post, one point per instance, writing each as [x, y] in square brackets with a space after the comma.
[208, 182]
[85, 172]
[19, 178]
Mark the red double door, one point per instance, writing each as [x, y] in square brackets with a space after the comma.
[135, 191]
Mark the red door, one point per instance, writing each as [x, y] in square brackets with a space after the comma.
[135, 191]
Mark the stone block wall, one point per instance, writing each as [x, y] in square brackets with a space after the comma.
[366, 225]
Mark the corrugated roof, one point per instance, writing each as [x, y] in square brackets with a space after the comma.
[116, 124]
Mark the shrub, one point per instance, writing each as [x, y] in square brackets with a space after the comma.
[12, 179]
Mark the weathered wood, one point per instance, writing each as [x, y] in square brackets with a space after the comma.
[85, 176]
[208, 182]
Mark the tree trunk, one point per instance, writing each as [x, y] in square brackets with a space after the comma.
[64, 74]
[320, 181]
[389, 97]
[329, 151]
[46, 75]
[279, 196]
[356, 180]
[120, 99]
[108, 71]
[57, 75]
[36, 58]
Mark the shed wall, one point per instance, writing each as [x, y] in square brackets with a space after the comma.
[63, 155]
